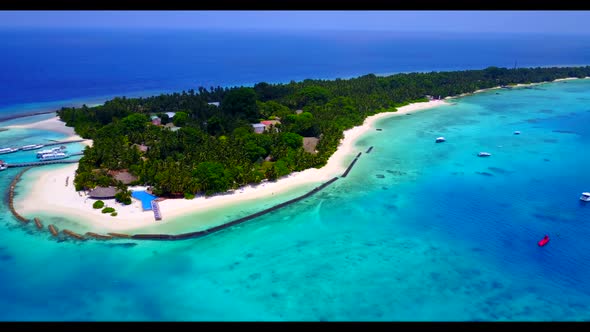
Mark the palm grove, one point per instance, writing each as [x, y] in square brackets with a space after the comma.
[216, 149]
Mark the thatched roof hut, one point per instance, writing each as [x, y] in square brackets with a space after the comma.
[123, 176]
[103, 193]
[309, 144]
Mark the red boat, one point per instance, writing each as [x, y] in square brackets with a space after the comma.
[544, 241]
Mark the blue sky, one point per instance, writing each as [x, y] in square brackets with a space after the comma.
[444, 21]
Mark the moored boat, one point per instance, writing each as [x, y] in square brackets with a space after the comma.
[585, 197]
[3, 165]
[8, 150]
[54, 150]
[543, 241]
[440, 139]
[53, 156]
[484, 154]
[517, 132]
[31, 147]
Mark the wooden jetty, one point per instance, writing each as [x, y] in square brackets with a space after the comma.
[53, 230]
[54, 143]
[41, 163]
[98, 236]
[38, 223]
[73, 234]
[156, 210]
[64, 142]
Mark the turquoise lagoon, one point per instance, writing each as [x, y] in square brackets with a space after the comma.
[418, 231]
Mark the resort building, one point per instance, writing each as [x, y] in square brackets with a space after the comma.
[103, 193]
[309, 144]
[258, 128]
[170, 114]
[156, 120]
[298, 112]
[215, 103]
[123, 176]
[171, 126]
[269, 123]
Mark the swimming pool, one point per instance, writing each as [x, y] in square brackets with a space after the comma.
[145, 198]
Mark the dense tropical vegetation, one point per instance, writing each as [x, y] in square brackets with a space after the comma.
[215, 148]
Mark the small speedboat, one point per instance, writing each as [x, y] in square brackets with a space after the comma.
[8, 150]
[517, 132]
[544, 241]
[585, 197]
[440, 139]
[484, 154]
[31, 147]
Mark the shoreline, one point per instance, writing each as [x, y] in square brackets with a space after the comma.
[51, 197]
[24, 115]
[78, 103]
[519, 85]
[53, 124]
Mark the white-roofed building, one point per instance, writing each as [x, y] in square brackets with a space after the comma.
[258, 128]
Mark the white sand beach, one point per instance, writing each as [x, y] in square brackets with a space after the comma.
[50, 195]
[52, 124]
[567, 79]
[519, 85]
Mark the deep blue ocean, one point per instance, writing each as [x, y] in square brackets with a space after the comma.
[418, 231]
[43, 69]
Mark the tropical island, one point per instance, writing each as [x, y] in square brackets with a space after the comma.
[225, 138]
[198, 144]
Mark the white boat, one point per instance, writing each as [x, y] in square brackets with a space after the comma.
[53, 156]
[8, 150]
[484, 154]
[440, 139]
[31, 147]
[517, 132]
[3, 165]
[585, 197]
[54, 150]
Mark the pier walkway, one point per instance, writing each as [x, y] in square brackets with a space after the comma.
[53, 142]
[62, 142]
[41, 163]
[156, 210]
